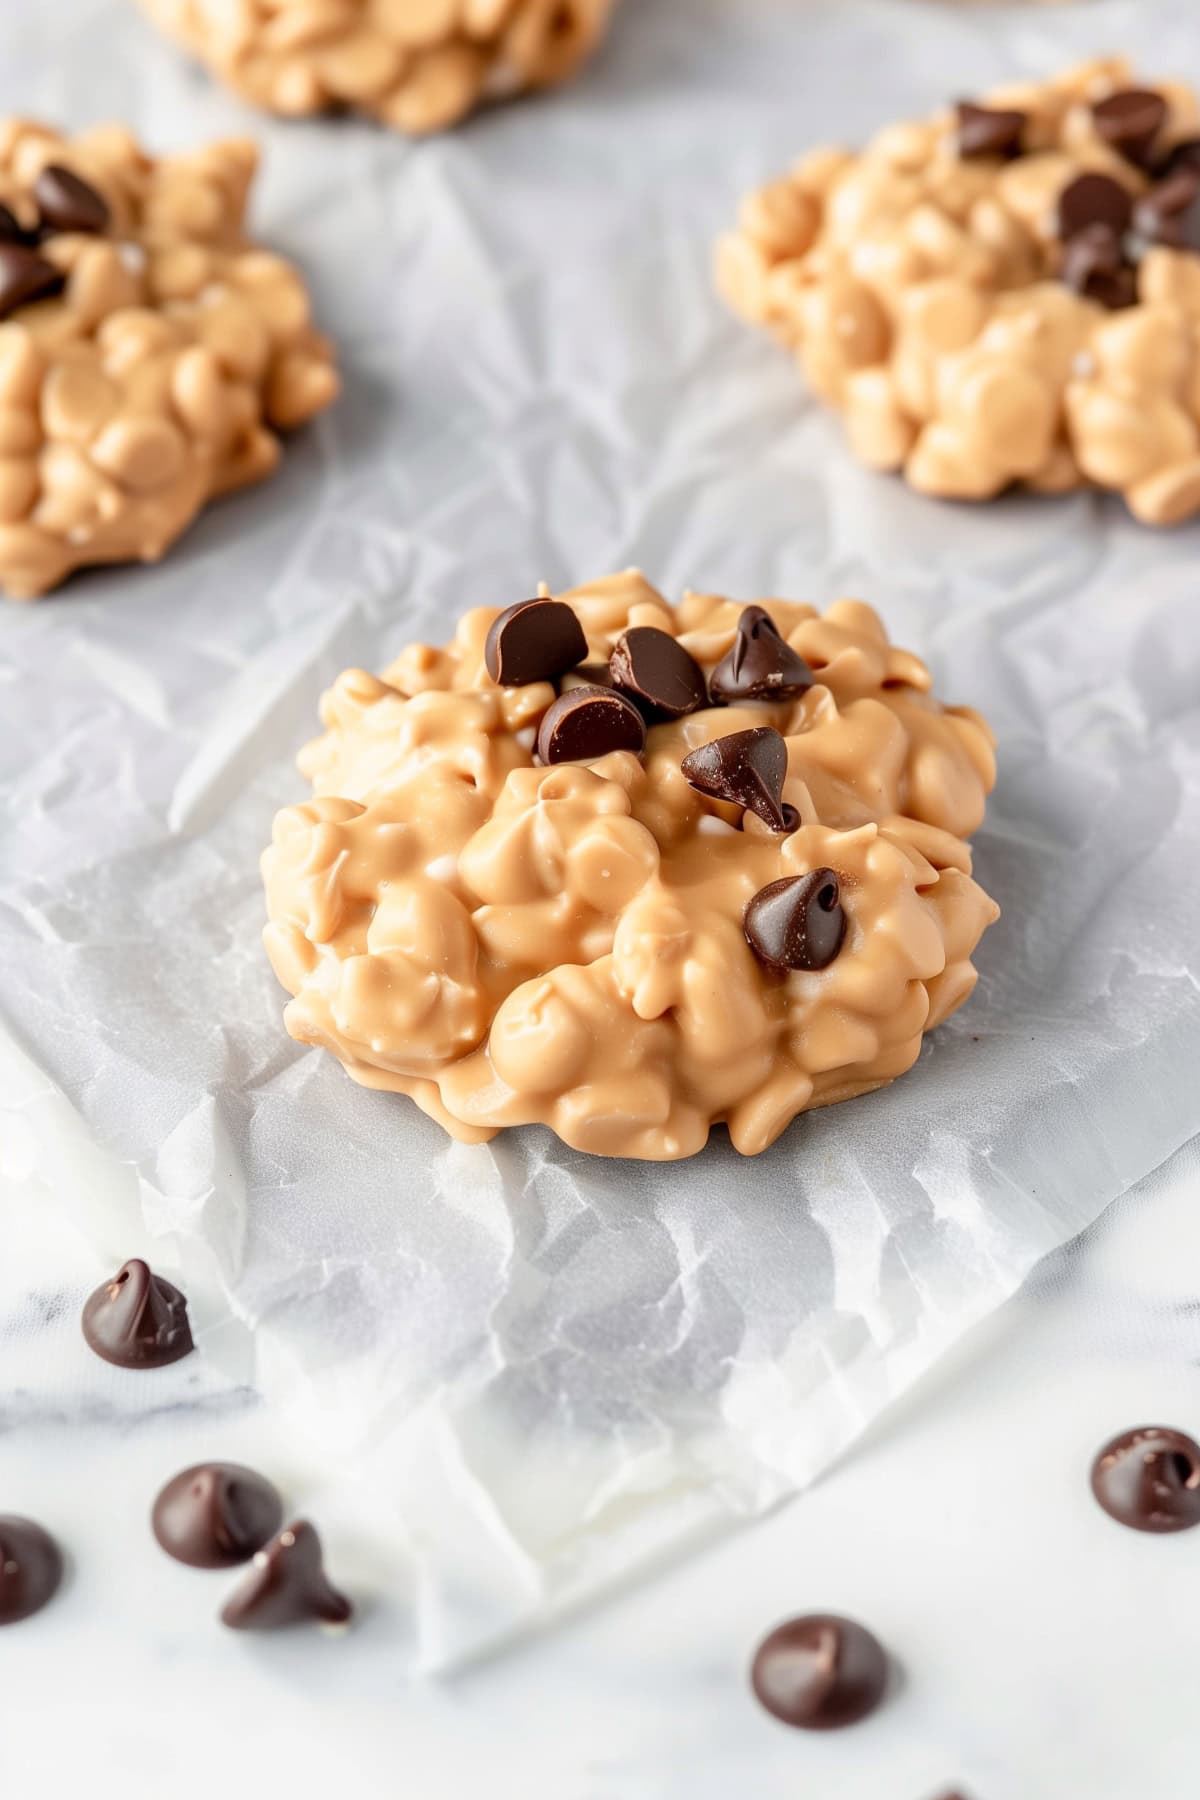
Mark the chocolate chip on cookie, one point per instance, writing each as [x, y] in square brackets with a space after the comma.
[66, 202]
[760, 665]
[535, 640]
[25, 276]
[1169, 213]
[797, 923]
[1093, 200]
[1129, 122]
[588, 722]
[657, 674]
[985, 131]
[747, 768]
[1094, 265]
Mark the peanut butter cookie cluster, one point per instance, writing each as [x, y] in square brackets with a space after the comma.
[1004, 293]
[149, 353]
[417, 65]
[631, 870]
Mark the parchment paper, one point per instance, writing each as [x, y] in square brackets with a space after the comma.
[542, 1368]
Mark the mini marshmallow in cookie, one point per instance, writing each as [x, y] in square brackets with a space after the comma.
[1007, 292]
[416, 65]
[608, 900]
[150, 354]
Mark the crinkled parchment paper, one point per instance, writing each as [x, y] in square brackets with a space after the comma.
[550, 1367]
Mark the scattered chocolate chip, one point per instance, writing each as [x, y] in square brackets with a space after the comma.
[1130, 121]
[137, 1320]
[747, 768]
[216, 1515]
[797, 923]
[66, 202]
[11, 229]
[587, 722]
[657, 673]
[1149, 1479]
[989, 131]
[820, 1672]
[287, 1586]
[1094, 266]
[25, 276]
[1094, 200]
[1184, 155]
[31, 1568]
[535, 640]
[760, 665]
[1169, 212]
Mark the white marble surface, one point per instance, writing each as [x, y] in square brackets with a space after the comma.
[1044, 1653]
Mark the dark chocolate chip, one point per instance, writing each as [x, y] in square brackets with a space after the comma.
[1149, 1479]
[216, 1515]
[25, 276]
[657, 673]
[1093, 200]
[1130, 122]
[31, 1568]
[820, 1672]
[1184, 155]
[797, 923]
[989, 131]
[1169, 212]
[11, 229]
[760, 665]
[137, 1320]
[747, 768]
[1094, 265]
[66, 202]
[587, 722]
[535, 640]
[287, 1586]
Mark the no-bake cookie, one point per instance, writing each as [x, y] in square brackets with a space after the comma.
[417, 65]
[149, 353]
[1008, 292]
[690, 865]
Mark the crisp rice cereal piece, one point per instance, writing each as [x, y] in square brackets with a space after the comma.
[417, 65]
[150, 354]
[980, 321]
[509, 942]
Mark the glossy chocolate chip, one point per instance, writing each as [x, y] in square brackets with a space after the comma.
[66, 202]
[587, 722]
[820, 1672]
[535, 640]
[1130, 121]
[1094, 266]
[1149, 1479]
[798, 922]
[31, 1568]
[25, 276]
[747, 768]
[137, 1320]
[760, 664]
[657, 674]
[287, 1586]
[1184, 155]
[216, 1515]
[1094, 200]
[1169, 212]
[985, 131]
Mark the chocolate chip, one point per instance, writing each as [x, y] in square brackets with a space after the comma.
[216, 1515]
[760, 665]
[1149, 1479]
[137, 1320]
[11, 229]
[1093, 200]
[1093, 265]
[747, 768]
[66, 202]
[287, 1586]
[587, 722]
[1130, 121]
[1184, 155]
[797, 923]
[820, 1672]
[1169, 212]
[25, 276]
[535, 640]
[657, 673]
[31, 1568]
[989, 131]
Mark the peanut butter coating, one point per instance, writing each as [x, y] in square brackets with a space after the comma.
[162, 374]
[920, 292]
[417, 65]
[511, 944]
